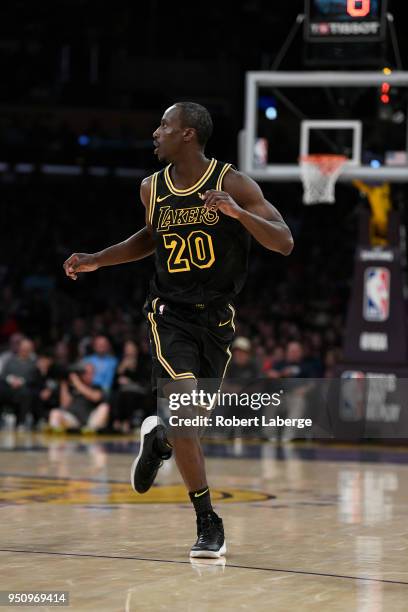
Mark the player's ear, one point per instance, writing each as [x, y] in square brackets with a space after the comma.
[189, 134]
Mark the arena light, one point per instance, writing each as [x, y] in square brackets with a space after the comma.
[83, 140]
[385, 91]
[271, 113]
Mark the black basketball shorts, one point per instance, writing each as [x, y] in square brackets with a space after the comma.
[189, 341]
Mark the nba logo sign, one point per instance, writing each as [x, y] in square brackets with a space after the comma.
[376, 294]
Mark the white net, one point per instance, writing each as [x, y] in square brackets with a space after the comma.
[319, 174]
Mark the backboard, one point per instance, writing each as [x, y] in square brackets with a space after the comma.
[325, 112]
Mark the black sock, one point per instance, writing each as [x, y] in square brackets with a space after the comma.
[201, 501]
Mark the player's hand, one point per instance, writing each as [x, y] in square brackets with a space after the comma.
[220, 200]
[80, 262]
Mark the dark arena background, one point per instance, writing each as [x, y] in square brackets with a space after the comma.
[309, 99]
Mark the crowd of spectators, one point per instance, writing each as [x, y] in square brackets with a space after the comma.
[74, 386]
[84, 385]
[81, 348]
[87, 382]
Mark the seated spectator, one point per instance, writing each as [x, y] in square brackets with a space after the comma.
[294, 365]
[18, 381]
[131, 392]
[48, 387]
[14, 343]
[243, 365]
[103, 362]
[81, 403]
[61, 357]
[277, 355]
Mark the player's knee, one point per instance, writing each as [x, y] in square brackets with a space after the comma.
[179, 387]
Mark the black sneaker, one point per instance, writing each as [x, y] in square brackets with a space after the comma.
[210, 537]
[150, 458]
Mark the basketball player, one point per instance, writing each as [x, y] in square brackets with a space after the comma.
[200, 214]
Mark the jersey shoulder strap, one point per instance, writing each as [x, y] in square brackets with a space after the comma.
[152, 200]
[220, 173]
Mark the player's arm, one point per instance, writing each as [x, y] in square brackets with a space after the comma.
[243, 200]
[135, 247]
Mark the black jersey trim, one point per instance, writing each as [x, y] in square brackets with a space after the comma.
[198, 184]
[152, 197]
[223, 172]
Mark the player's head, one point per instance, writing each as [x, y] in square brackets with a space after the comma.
[183, 125]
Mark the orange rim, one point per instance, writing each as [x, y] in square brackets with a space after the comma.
[327, 163]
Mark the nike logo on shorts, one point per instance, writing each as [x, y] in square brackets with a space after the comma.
[226, 323]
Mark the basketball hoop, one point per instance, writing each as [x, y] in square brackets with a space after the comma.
[319, 174]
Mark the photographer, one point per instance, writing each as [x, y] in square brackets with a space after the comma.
[82, 404]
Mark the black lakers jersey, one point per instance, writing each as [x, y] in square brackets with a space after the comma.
[201, 255]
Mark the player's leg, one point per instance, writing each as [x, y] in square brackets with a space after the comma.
[214, 359]
[189, 457]
[174, 358]
[215, 341]
[185, 440]
[175, 340]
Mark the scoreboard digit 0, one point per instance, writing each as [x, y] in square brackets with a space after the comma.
[358, 8]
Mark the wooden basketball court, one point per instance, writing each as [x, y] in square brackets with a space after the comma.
[308, 527]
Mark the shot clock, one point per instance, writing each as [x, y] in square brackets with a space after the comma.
[345, 20]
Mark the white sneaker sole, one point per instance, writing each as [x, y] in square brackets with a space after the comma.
[148, 424]
[209, 554]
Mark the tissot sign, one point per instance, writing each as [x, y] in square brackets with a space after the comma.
[342, 20]
[335, 28]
